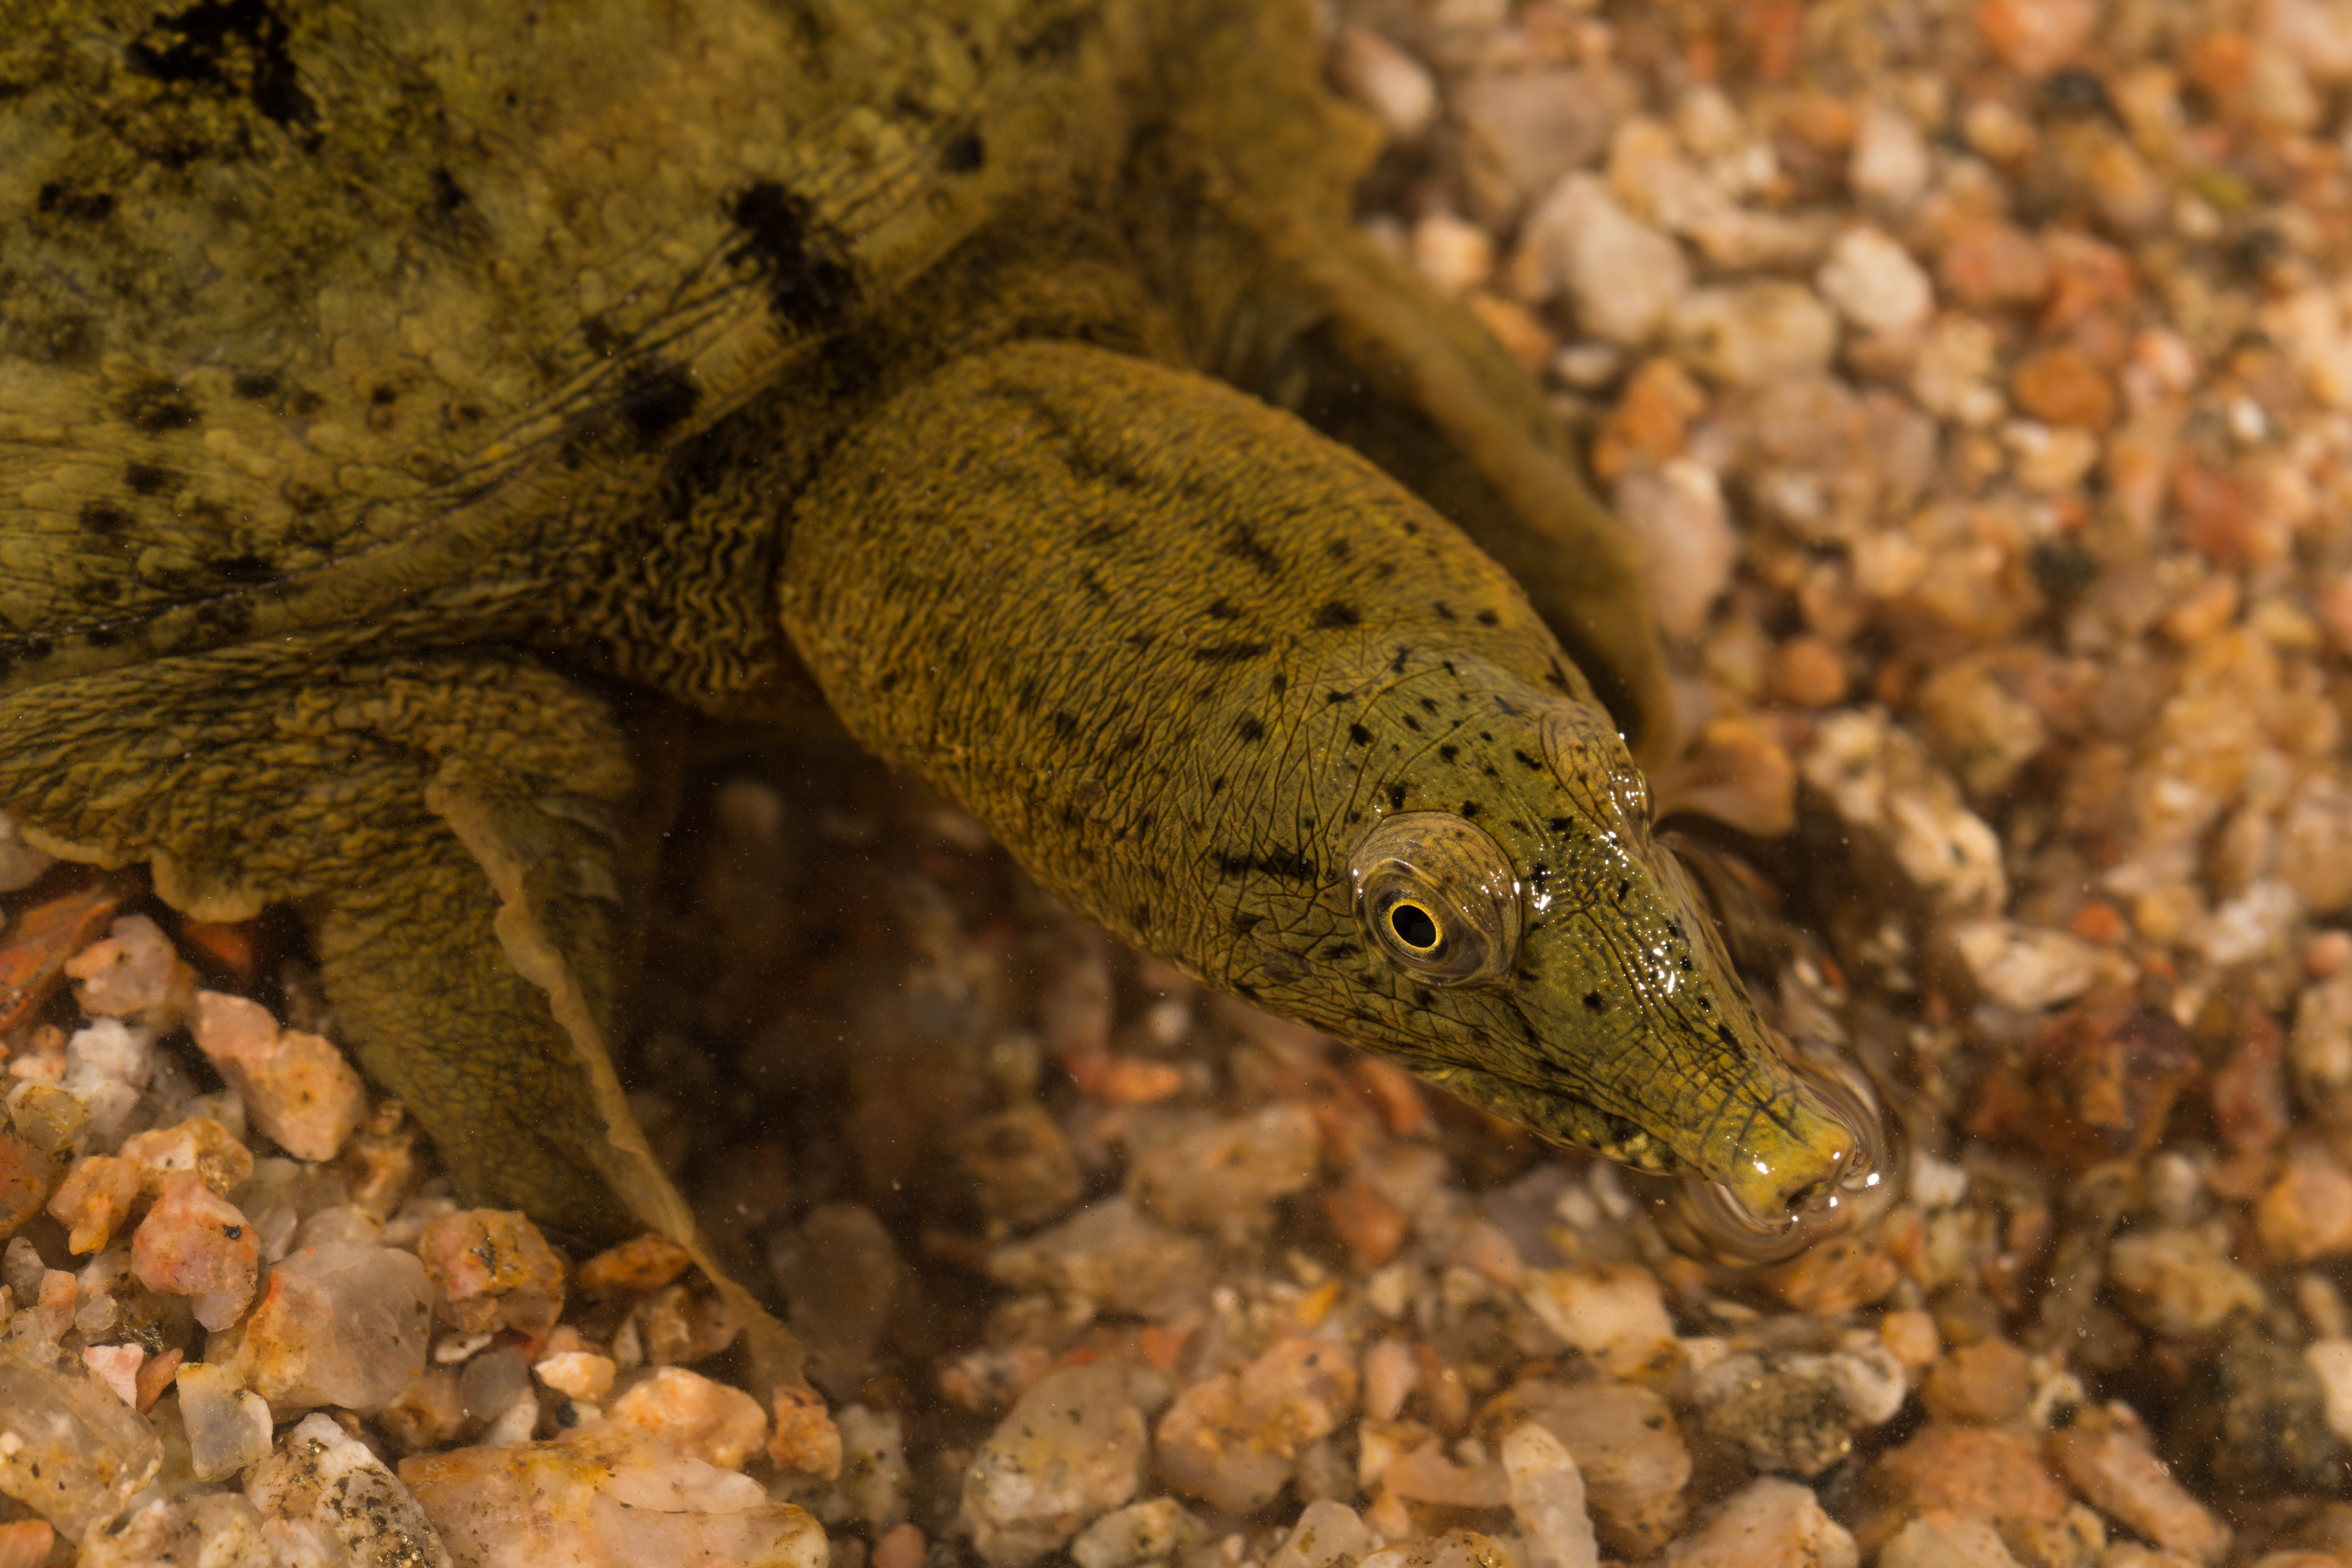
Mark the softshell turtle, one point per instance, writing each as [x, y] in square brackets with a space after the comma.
[390, 387]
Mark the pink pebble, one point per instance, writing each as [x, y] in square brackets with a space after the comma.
[116, 1366]
[193, 1243]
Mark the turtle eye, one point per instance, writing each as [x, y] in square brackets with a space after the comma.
[1438, 896]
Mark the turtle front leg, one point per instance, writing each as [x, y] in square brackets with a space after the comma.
[452, 823]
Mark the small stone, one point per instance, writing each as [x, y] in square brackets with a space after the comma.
[1623, 278]
[874, 1474]
[493, 1271]
[1458, 1548]
[2118, 1474]
[1807, 671]
[2331, 1364]
[428, 1413]
[638, 1265]
[493, 1383]
[297, 1087]
[1223, 1178]
[324, 1497]
[1071, 1450]
[70, 1449]
[1768, 1523]
[1547, 1497]
[1371, 72]
[2028, 967]
[1754, 334]
[200, 1144]
[1453, 256]
[2036, 37]
[2306, 1214]
[32, 961]
[134, 973]
[195, 1243]
[1987, 1381]
[1612, 1313]
[1391, 1371]
[1520, 132]
[606, 1496]
[1988, 264]
[2253, 1422]
[1018, 1165]
[227, 1425]
[1372, 1226]
[1789, 1410]
[1141, 1532]
[1982, 1472]
[2075, 1538]
[116, 1366]
[1523, 336]
[1328, 1535]
[2181, 1279]
[1426, 1475]
[1676, 510]
[580, 1375]
[1113, 1254]
[94, 1200]
[21, 865]
[1875, 284]
[338, 1325]
[1946, 1541]
[1906, 814]
[2063, 386]
[1231, 1439]
[840, 1272]
[1629, 1453]
[203, 1530]
[902, 1546]
[694, 1415]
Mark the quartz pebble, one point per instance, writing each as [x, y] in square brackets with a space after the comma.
[2306, 1214]
[1328, 1535]
[1223, 1178]
[1946, 1541]
[805, 1437]
[134, 973]
[639, 1266]
[582, 1374]
[228, 1426]
[1875, 284]
[70, 1449]
[606, 1496]
[201, 1144]
[1621, 276]
[1797, 1410]
[94, 1200]
[492, 1269]
[695, 1416]
[1546, 1495]
[197, 1244]
[1140, 1532]
[2179, 1279]
[1770, 1523]
[1071, 1450]
[202, 1529]
[296, 1086]
[1231, 1440]
[1385, 80]
[2114, 1468]
[1613, 1314]
[1753, 334]
[874, 1473]
[1628, 1449]
[1112, 1253]
[2331, 1364]
[338, 1324]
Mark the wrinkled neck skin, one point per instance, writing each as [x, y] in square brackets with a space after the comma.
[1183, 655]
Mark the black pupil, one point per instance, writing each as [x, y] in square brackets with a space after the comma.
[1412, 925]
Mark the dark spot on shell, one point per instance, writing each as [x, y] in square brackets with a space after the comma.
[964, 154]
[1279, 684]
[809, 283]
[1396, 665]
[103, 517]
[1413, 723]
[146, 478]
[248, 568]
[1592, 1000]
[221, 44]
[1527, 761]
[1396, 797]
[1222, 609]
[1338, 549]
[1470, 808]
[1423, 997]
[1488, 618]
[448, 195]
[155, 406]
[655, 399]
[1358, 735]
[1249, 729]
[1246, 545]
[60, 200]
[1065, 725]
[1443, 613]
[254, 386]
[1337, 616]
[1429, 705]
[1228, 652]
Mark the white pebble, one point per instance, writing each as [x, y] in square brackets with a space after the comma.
[21, 865]
[227, 1424]
[1548, 1500]
[1752, 335]
[2331, 1362]
[1453, 255]
[1622, 275]
[324, 1497]
[1377, 75]
[1875, 284]
[1326, 1534]
[1890, 158]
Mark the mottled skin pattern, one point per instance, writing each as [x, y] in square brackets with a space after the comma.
[382, 381]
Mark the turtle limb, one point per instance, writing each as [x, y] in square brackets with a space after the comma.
[452, 825]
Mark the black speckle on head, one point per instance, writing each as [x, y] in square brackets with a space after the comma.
[1592, 1000]
[104, 517]
[655, 399]
[1488, 618]
[1247, 923]
[246, 569]
[809, 283]
[254, 386]
[60, 200]
[1279, 684]
[963, 154]
[146, 478]
[1527, 762]
[1396, 797]
[1396, 665]
[1249, 728]
[1337, 616]
[1444, 613]
[1091, 581]
[1101, 533]
[1449, 752]
[1241, 542]
[1222, 609]
[1358, 735]
[1413, 723]
[1288, 864]
[1555, 678]
[1470, 808]
[1423, 997]
[1228, 652]
[225, 45]
[1024, 698]
[1429, 704]
[1217, 784]
[1338, 549]
[155, 406]
[1065, 725]
[448, 195]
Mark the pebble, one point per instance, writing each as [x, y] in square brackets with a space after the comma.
[338, 1324]
[1794, 1410]
[2331, 1364]
[694, 1415]
[1677, 511]
[202, 1529]
[1753, 334]
[2036, 37]
[1020, 1167]
[1425, 1474]
[116, 1366]
[1980, 1472]
[1987, 1381]
[1628, 1450]
[1232, 1439]
[874, 1474]
[902, 1546]
[1139, 1534]
[1875, 284]
[2063, 386]
[1223, 1178]
[1547, 1496]
[1519, 132]
[584, 1374]
[840, 1272]
[297, 1087]
[1946, 1541]
[2031, 968]
[2254, 1421]
[1374, 73]
[227, 1425]
[70, 1449]
[134, 973]
[1452, 257]
[1910, 814]
[639, 1266]
[324, 1497]
[1621, 276]
[21, 865]
[1459, 1549]
[2306, 1213]
[1611, 1314]
[1889, 165]
[195, 1243]
[1071, 1450]
[94, 1200]
[199, 1143]
[2116, 1473]
[1114, 1253]
[1391, 1371]
[1768, 1523]
[2181, 1279]
[492, 1269]
[428, 1413]
[1328, 1535]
